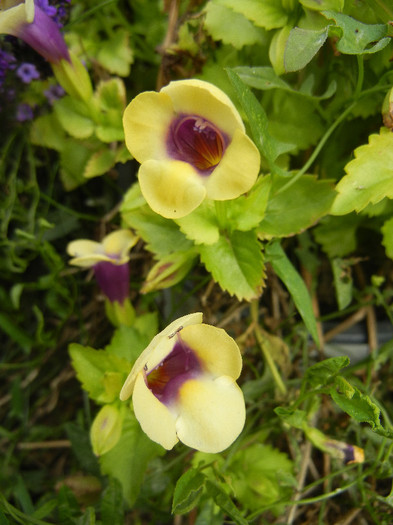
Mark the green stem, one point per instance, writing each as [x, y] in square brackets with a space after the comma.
[265, 351]
[359, 83]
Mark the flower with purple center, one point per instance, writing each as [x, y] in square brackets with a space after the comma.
[109, 259]
[183, 387]
[53, 93]
[27, 72]
[192, 145]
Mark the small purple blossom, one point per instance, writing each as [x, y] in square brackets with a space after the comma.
[27, 72]
[24, 112]
[53, 93]
[50, 10]
[7, 62]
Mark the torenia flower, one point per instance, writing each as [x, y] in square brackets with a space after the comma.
[183, 387]
[33, 25]
[109, 259]
[191, 143]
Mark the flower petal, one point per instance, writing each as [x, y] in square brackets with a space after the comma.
[154, 417]
[119, 243]
[160, 346]
[172, 188]
[12, 18]
[146, 123]
[212, 413]
[197, 97]
[238, 170]
[217, 351]
[85, 253]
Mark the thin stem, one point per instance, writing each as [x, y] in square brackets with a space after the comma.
[265, 350]
[359, 83]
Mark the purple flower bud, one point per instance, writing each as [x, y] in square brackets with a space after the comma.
[24, 113]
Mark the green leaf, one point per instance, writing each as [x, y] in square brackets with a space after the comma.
[264, 78]
[129, 341]
[73, 159]
[236, 263]
[111, 94]
[222, 499]
[115, 54]
[337, 235]
[296, 208]
[294, 417]
[269, 14]
[74, 117]
[343, 283]
[318, 5]
[111, 503]
[359, 406]
[188, 490]
[162, 236]
[231, 28]
[128, 460]
[246, 212]
[301, 47]
[99, 163]
[387, 237]
[201, 226]
[369, 176]
[93, 367]
[46, 131]
[357, 38]
[324, 372]
[295, 284]
[256, 117]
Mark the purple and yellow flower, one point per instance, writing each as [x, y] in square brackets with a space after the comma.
[109, 259]
[192, 145]
[34, 26]
[183, 387]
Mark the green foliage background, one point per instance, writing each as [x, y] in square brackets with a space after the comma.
[304, 256]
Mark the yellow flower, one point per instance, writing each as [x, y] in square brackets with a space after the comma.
[191, 143]
[109, 259]
[183, 387]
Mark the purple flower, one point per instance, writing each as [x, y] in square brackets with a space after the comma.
[7, 62]
[24, 113]
[27, 72]
[35, 27]
[54, 93]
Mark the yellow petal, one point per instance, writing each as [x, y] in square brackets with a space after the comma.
[237, 172]
[159, 347]
[154, 417]
[211, 413]
[146, 122]
[218, 352]
[197, 97]
[119, 243]
[172, 188]
[85, 253]
[13, 16]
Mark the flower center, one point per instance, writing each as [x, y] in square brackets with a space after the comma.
[197, 141]
[179, 366]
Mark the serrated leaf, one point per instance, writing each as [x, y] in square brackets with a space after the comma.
[115, 54]
[188, 491]
[222, 499]
[111, 503]
[295, 284]
[230, 27]
[46, 131]
[324, 372]
[356, 38]
[246, 212]
[336, 5]
[269, 14]
[294, 417]
[99, 163]
[162, 236]
[201, 226]
[296, 208]
[359, 406]
[236, 263]
[337, 235]
[91, 368]
[369, 176]
[73, 158]
[301, 47]
[74, 117]
[128, 460]
[111, 94]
